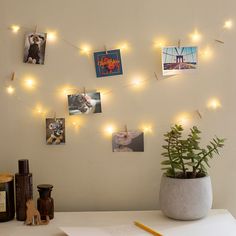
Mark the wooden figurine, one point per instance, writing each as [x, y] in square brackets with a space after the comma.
[32, 215]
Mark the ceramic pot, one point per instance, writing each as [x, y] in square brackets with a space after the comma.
[185, 199]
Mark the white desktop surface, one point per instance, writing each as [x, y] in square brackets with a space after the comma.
[217, 223]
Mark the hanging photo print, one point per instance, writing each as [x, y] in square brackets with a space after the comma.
[55, 131]
[84, 103]
[35, 44]
[128, 141]
[178, 59]
[108, 63]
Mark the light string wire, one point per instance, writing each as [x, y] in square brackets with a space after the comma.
[127, 85]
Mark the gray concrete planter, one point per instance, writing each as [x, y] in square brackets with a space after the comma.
[185, 199]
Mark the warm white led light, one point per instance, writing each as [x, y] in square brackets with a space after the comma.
[15, 28]
[228, 24]
[109, 129]
[29, 83]
[85, 49]
[196, 36]
[147, 129]
[51, 36]
[214, 103]
[10, 90]
[159, 43]
[136, 82]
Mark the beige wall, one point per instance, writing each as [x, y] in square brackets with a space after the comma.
[85, 173]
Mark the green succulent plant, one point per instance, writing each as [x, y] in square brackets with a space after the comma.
[184, 157]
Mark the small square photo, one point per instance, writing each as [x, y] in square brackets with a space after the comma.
[35, 44]
[108, 63]
[55, 131]
[130, 141]
[178, 59]
[84, 103]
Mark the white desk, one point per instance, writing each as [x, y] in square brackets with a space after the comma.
[217, 223]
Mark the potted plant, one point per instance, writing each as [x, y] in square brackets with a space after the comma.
[185, 191]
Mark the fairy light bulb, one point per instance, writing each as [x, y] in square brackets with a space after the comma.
[29, 83]
[196, 36]
[137, 82]
[51, 36]
[183, 119]
[207, 53]
[85, 49]
[15, 28]
[147, 129]
[228, 24]
[214, 104]
[123, 46]
[109, 129]
[10, 90]
[39, 111]
[159, 43]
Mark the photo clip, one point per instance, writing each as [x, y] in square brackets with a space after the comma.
[155, 74]
[35, 29]
[219, 41]
[199, 114]
[13, 76]
[55, 116]
[105, 49]
[179, 43]
[126, 129]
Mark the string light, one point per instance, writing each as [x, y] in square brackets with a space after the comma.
[196, 36]
[137, 82]
[183, 119]
[75, 122]
[51, 36]
[228, 24]
[206, 53]
[85, 50]
[15, 28]
[66, 90]
[159, 43]
[106, 95]
[10, 90]
[29, 83]
[123, 46]
[39, 110]
[214, 103]
[109, 129]
[147, 128]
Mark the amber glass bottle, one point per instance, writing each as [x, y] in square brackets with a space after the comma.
[45, 203]
[24, 188]
[7, 206]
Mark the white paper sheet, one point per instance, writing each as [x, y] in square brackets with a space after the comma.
[122, 230]
[219, 225]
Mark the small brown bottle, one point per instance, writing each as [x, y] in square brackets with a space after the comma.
[24, 188]
[45, 202]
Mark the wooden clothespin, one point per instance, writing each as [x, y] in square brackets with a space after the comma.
[199, 114]
[105, 49]
[35, 29]
[126, 129]
[179, 43]
[55, 116]
[219, 41]
[84, 91]
[155, 74]
[13, 76]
